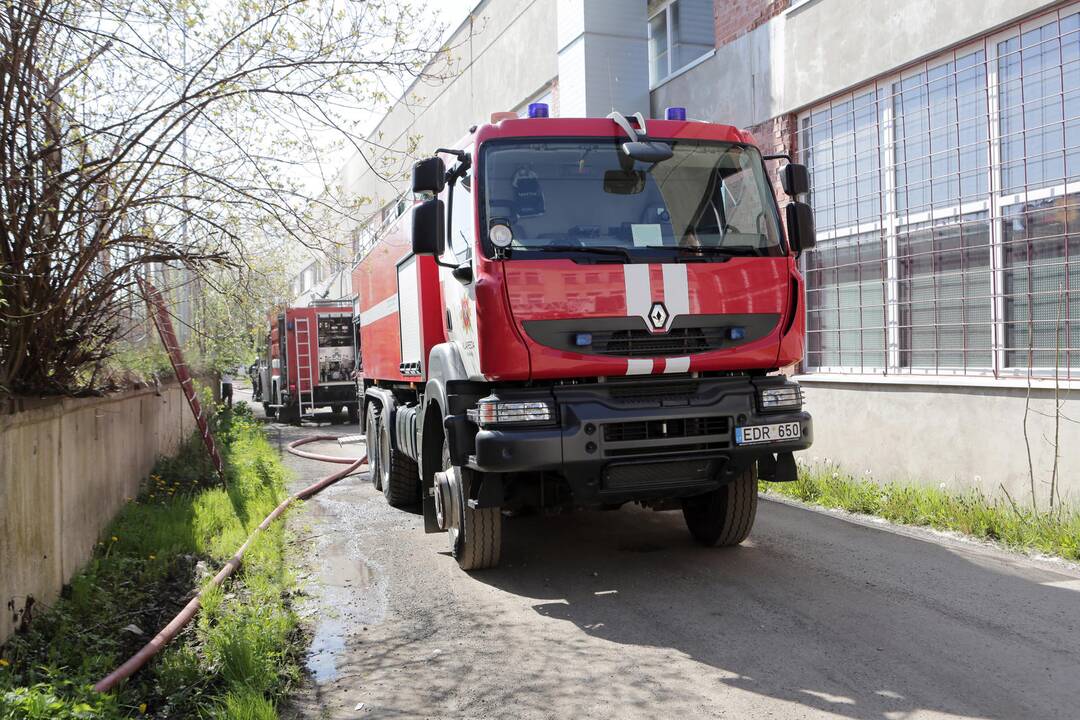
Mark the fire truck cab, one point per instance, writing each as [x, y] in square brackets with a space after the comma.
[586, 313]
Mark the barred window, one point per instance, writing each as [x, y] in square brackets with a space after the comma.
[947, 200]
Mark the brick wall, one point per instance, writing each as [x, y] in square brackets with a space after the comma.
[777, 135]
[738, 17]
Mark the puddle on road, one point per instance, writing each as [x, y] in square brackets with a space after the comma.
[329, 640]
[348, 597]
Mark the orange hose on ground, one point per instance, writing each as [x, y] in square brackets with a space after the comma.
[167, 633]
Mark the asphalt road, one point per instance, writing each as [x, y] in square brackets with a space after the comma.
[618, 615]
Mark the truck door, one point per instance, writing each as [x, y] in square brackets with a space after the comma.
[460, 298]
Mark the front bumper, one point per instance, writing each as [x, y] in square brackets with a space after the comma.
[617, 441]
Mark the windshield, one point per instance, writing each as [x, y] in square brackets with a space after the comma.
[711, 197]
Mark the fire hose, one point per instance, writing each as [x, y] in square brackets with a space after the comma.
[167, 633]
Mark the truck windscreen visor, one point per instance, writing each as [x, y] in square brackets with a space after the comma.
[589, 193]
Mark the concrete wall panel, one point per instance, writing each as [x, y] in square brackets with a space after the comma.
[962, 437]
[824, 47]
[65, 470]
[833, 45]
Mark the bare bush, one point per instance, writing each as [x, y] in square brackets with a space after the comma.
[138, 136]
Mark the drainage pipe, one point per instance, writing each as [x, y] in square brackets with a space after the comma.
[167, 633]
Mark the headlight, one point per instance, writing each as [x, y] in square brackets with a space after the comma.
[492, 411]
[782, 397]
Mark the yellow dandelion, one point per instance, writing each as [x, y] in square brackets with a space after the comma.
[115, 539]
[153, 557]
[4, 663]
[142, 708]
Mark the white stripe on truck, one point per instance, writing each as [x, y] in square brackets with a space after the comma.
[638, 292]
[676, 290]
[378, 311]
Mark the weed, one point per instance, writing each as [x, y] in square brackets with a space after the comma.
[241, 653]
[1053, 532]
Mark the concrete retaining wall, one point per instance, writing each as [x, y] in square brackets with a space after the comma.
[66, 468]
[964, 437]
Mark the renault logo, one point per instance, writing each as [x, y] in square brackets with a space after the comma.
[658, 316]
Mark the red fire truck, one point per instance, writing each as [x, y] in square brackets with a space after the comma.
[586, 313]
[308, 363]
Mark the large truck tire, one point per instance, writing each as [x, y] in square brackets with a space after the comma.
[400, 476]
[289, 414]
[724, 516]
[476, 534]
[371, 444]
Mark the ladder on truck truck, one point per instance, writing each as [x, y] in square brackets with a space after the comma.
[304, 368]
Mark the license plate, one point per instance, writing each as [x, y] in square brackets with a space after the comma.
[750, 434]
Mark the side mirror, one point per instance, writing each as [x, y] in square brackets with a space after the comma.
[429, 176]
[800, 226]
[429, 228]
[795, 179]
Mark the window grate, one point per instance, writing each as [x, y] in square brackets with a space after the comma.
[947, 200]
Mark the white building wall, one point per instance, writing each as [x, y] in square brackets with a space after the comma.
[603, 57]
[823, 47]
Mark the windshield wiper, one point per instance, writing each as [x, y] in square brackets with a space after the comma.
[710, 250]
[598, 249]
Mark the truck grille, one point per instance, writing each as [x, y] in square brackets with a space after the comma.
[642, 343]
[650, 392]
[631, 337]
[637, 431]
[658, 475]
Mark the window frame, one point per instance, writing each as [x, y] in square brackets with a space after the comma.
[993, 201]
[665, 9]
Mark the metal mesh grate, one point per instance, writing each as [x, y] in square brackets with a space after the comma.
[947, 199]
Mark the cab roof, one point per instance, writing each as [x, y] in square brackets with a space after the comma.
[604, 127]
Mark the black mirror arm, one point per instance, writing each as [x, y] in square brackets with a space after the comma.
[777, 156]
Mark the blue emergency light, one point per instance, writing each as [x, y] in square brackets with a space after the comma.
[538, 110]
[737, 333]
[583, 339]
[675, 113]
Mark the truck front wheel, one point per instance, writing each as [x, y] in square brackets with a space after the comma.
[724, 516]
[475, 533]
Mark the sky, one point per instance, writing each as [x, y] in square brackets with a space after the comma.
[446, 13]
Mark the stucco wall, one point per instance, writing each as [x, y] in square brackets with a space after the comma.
[823, 47]
[65, 470]
[965, 437]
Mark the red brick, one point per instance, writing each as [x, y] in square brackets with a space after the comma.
[777, 135]
[735, 18]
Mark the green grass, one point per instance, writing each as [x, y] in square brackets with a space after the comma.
[241, 654]
[1053, 532]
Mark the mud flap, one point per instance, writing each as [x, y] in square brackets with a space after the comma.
[778, 468]
[431, 524]
[490, 493]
